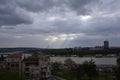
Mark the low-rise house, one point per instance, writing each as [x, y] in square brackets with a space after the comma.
[98, 55]
[102, 68]
[111, 55]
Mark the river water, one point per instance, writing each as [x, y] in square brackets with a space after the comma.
[80, 60]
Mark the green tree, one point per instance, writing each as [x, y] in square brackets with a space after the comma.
[85, 77]
[109, 76]
[89, 68]
[118, 69]
[86, 70]
[69, 61]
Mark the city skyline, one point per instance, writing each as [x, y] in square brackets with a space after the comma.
[59, 23]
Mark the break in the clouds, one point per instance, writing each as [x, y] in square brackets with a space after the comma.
[59, 23]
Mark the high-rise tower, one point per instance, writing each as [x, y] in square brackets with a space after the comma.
[106, 44]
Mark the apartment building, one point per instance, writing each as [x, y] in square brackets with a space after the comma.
[14, 62]
[36, 68]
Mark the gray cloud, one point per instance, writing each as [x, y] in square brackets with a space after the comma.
[8, 14]
[81, 7]
[36, 5]
[59, 23]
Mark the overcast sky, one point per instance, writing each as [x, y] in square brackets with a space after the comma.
[59, 23]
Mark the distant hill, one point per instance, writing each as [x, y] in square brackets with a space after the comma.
[17, 49]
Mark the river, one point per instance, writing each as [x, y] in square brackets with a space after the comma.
[80, 60]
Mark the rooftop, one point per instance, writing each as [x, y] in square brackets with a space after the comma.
[14, 56]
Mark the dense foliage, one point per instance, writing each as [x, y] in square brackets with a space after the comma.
[118, 70]
[10, 76]
[79, 52]
[85, 71]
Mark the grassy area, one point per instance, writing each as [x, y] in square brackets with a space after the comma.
[68, 74]
[71, 75]
[10, 76]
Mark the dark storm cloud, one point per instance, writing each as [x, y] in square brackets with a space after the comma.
[8, 14]
[81, 7]
[40, 22]
[36, 5]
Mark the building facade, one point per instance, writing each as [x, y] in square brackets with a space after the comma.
[14, 62]
[106, 44]
[36, 68]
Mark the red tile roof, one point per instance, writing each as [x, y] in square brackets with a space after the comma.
[14, 55]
